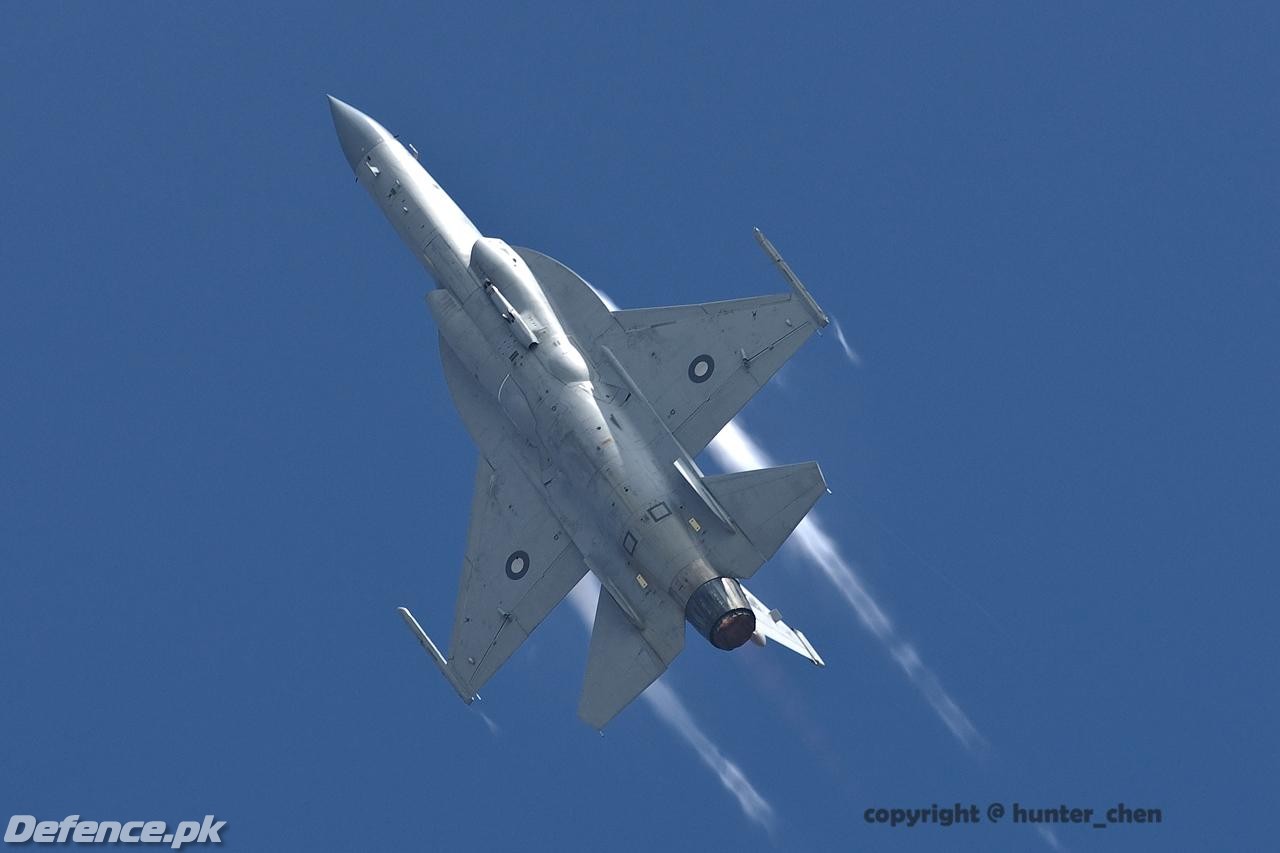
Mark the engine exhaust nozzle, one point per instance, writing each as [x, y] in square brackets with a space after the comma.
[720, 612]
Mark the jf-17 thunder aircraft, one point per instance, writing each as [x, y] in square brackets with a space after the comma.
[588, 422]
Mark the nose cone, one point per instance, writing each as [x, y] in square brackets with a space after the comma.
[357, 133]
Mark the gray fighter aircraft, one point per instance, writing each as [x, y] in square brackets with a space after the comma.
[588, 421]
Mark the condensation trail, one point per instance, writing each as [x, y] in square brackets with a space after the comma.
[736, 450]
[671, 709]
[493, 727]
[849, 352]
[604, 297]
[1049, 837]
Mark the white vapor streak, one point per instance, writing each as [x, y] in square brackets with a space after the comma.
[493, 727]
[1050, 837]
[604, 297]
[734, 449]
[670, 708]
[849, 352]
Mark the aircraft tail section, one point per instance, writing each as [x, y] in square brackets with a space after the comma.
[769, 626]
[620, 664]
[765, 505]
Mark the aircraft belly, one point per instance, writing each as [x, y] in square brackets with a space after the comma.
[488, 427]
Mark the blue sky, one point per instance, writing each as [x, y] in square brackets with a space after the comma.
[228, 452]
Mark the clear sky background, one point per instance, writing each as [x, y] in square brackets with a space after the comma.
[227, 452]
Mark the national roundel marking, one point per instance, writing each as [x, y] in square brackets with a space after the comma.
[701, 368]
[517, 565]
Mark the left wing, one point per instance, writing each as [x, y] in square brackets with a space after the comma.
[519, 565]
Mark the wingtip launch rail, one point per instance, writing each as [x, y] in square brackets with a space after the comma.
[819, 316]
[463, 690]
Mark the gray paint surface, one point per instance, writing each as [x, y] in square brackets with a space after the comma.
[587, 422]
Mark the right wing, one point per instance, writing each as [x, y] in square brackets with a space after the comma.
[697, 365]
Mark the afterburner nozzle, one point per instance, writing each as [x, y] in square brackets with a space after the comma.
[721, 613]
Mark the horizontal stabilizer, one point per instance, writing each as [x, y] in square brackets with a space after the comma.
[766, 505]
[620, 664]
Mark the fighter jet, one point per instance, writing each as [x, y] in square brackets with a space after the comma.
[588, 422]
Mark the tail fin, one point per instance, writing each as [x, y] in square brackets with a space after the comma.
[766, 505]
[769, 626]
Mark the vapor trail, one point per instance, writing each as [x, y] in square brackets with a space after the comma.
[670, 709]
[1049, 837]
[604, 297]
[493, 727]
[849, 352]
[735, 450]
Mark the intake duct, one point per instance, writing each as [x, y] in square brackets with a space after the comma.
[721, 613]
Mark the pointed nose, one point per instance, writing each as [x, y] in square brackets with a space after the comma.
[357, 133]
